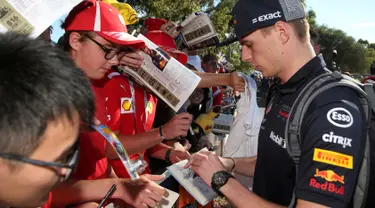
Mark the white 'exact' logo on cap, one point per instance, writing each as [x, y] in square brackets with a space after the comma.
[266, 17]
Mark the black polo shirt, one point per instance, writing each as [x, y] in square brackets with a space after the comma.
[332, 137]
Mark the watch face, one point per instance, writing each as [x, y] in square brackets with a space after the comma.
[221, 178]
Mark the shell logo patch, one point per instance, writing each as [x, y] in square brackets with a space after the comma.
[126, 105]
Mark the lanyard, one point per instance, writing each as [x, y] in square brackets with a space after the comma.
[134, 106]
[146, 104]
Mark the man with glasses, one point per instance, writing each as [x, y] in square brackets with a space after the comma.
[210, 64]
[44, 98]
[96, 40]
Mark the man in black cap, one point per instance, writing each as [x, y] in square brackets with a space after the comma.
[274, 35]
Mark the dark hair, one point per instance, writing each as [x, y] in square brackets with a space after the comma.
[38, 83]
[64, 43]
[191, 67]
[209, 57]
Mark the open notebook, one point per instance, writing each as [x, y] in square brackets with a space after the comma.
[193, 184]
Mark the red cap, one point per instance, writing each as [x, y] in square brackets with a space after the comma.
[154, 23]
[167, 43]
[102, 18]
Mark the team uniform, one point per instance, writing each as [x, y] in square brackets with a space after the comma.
[130, 110]
[93, 162]
[217, 96]
[49, 202]
[332, 140]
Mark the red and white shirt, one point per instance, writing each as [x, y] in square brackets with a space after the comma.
[130, 110]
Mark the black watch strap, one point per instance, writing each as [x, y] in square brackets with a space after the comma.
[163, 139]
[168, 155]
[219, 179]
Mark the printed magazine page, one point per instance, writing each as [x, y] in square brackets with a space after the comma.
[165, 76]
[32, 16]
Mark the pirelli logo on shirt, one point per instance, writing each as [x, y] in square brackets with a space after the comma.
[333, 158]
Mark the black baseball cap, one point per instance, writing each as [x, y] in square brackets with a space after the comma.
[251, 15]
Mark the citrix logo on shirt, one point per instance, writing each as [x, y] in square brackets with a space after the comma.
[278, 139]
[340, 117]
[269, 16]
[332, 138]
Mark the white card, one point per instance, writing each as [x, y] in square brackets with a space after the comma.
[169, 201]
[166, 175]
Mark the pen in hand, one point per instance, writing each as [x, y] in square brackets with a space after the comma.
[106, 197]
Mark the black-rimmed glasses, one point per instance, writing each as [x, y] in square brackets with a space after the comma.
[70, 162]
[215, 65]
[109, 52]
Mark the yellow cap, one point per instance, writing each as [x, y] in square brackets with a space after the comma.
[127, 12]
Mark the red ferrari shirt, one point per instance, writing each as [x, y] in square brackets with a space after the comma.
[93, 162]
[217, 95]
[49, 202]
[131, 110]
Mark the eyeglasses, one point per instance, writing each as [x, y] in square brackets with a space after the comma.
[69, 163]
[215, 65]
[109, 52]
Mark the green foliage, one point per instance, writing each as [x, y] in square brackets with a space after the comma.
[311, 18]
[353, 56]
[371, 45]
[220, 14]
[235, 59]
[363, 42]
[370, 58]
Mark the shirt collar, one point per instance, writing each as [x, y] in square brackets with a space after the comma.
[315, 64]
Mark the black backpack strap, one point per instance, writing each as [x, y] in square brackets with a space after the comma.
[294, 121]
[297, 112]
[301, 104]
[369, 89]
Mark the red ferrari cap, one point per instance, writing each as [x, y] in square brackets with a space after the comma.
[102, 18]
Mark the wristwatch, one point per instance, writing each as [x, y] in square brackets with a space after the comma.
[168, 155]
[163, 139]
[219, 179]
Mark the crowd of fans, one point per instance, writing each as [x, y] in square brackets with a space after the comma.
[52, 93]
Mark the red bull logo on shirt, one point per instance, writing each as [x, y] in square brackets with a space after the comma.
[331, 179]
[329, 175]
